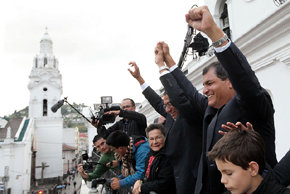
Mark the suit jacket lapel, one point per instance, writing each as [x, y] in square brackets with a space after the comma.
[209, 123]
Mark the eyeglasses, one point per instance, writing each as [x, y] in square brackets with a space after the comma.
[158, 138]
[168, 105]
[128, 106]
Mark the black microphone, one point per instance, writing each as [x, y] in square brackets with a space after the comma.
[55, 107]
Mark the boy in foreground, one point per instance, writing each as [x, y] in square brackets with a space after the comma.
[240, 157]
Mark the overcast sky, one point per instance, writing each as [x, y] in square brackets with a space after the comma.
[93, 41]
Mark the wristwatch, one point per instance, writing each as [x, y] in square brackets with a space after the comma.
[220, 41]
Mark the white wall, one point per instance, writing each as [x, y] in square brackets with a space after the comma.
[69, 136]
[92, 132]
[49, 146]
[243, 14]
[275, 78]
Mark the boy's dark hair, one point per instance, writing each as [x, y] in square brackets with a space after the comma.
[153, 126]
[240, 147]
[219, 70]
[132, 101]
[118, 139]
[97, 138]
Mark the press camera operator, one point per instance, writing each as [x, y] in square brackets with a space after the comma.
[133, 123]
[106, 162]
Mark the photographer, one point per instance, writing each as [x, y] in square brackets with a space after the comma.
[133, 123]
[106, 162]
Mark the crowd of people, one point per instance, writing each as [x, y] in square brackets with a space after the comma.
[221, 141]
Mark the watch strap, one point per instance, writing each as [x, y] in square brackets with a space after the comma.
[220, 41]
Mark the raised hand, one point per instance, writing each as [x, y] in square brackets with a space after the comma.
[136, 72]
[231, 126]
[201, 19]
[167, 57]
[159, 55]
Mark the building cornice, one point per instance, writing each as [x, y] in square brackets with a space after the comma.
[268, 32]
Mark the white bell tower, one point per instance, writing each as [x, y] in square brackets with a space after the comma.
[45, 86]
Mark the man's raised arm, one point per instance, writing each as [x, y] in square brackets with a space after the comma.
[153, 98]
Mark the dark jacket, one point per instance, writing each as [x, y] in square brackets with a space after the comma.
[269, 185]
[251, 103]
[134, 125]
[282, 170]
[183, 139]
[161, 178]
[157, 103]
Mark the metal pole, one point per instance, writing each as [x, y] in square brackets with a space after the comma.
[67, 167]
[6, 178]
[65, 99]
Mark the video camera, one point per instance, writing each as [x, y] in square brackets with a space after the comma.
[102, 117]
[88, 164]
[100, 114]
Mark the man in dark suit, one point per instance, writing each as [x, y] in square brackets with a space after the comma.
[183, 141]
[232, 93]
[154, 99]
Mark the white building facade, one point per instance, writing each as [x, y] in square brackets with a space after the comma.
[15, 152]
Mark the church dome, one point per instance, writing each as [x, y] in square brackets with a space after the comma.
[46, 37]
[46, 45]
